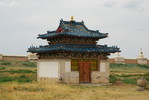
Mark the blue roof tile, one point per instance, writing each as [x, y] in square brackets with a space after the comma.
[73, 28]
[74, 48]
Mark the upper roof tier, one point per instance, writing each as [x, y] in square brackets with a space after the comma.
[73, 28]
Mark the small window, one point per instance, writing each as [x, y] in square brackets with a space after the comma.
[94, 65]
[75, 64]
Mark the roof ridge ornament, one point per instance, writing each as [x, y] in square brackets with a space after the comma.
[61, 20]
[71, 18]
[141, 52]
[82, 22]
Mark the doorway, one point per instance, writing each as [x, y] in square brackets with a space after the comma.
[84, 72]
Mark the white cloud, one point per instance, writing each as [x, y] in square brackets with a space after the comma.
[134, 4]
[9, 4]
[109, 4]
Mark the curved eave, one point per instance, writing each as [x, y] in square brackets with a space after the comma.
[74, 48]
[48, 36]
[70, 50]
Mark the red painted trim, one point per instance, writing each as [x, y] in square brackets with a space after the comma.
[59, 30]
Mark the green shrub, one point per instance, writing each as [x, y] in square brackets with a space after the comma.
[22, 76]
[29, 64]
[114, 66]
[24, 80]
[130, 80]
[128, 75]
[113, 79]
[6, 79]
[1, 68]
[21, 79]
[144, 66]
[20, 71]
[6, 63]
[146, 76]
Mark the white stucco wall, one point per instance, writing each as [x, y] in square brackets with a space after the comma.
[67, 66]
[53, 68]
[48, 69]
[102, 67]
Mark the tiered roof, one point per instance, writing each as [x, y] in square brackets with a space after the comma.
[71, 30]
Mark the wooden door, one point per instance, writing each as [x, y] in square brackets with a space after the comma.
[84, 72]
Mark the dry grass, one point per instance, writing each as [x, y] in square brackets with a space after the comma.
[54, 91]
[46, 90]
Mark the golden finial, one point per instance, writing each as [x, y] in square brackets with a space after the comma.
[141, 51]
[72, 18]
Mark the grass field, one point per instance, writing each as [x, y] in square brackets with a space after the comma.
[128, 73]
[18, 82]
[17, 71]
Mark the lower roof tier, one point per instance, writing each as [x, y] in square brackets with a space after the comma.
[78, 48]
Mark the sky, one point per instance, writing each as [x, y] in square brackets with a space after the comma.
[126, 21]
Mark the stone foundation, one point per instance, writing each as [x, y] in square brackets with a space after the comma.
[71, 77]
[96, 77]
[51, 80]
[99, 77]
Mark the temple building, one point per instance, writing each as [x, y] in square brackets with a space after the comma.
[72, 54]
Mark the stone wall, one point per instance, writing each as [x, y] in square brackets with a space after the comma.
[1, 57]
[111, 60]
[131, 61]
[13, 58]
